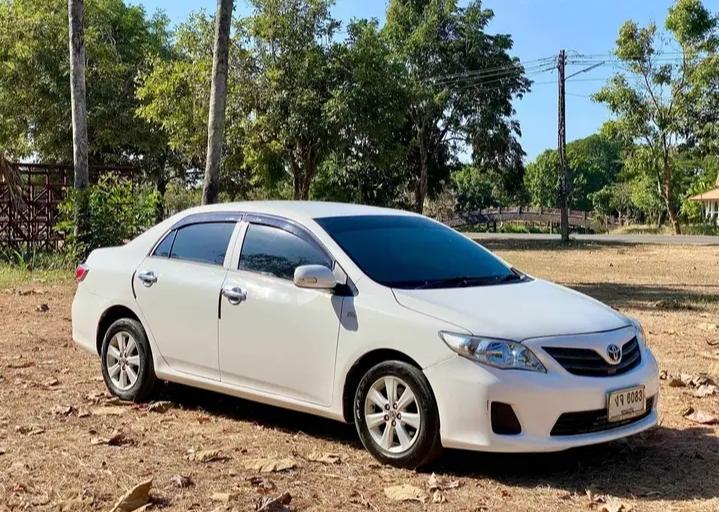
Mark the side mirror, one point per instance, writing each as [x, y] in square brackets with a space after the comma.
[317, 277]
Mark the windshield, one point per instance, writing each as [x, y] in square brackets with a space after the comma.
[402, 251]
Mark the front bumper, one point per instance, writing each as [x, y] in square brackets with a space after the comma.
[464, 391]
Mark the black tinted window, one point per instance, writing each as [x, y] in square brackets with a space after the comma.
[164, 247]
[276, 252]
[206, 243]
[413, 252]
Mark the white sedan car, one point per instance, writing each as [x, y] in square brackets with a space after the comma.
[386, 319]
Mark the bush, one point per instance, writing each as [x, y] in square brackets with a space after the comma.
[115, 210]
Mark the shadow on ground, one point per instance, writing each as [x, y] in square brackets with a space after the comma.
[663, 463]
[649, 296]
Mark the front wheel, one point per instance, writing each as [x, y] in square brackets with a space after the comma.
[396, 415]
[126, 361]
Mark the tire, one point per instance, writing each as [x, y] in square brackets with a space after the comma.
[139, 378]
[420, 442]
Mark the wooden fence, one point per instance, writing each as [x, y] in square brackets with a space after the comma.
[29, 223]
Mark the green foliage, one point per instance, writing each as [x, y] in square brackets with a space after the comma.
[433, 39]
[474, 190]
[595, 162]
[35, 80]
[116, 211]
[657, 101]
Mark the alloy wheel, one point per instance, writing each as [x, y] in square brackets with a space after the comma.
[123, 360]
[392, 414]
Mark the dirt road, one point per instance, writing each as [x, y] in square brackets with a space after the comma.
[65, 445]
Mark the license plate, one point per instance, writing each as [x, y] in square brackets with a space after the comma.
[626, 403]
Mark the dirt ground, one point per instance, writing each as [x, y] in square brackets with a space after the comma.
[65, 445]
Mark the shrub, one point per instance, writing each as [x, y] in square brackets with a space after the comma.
[115, 210]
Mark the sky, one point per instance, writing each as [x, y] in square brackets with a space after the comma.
[540, 28]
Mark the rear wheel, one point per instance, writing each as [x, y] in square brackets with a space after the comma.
[126, 361]
[396, 415]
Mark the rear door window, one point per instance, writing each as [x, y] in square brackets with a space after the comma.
[203, 243]
[276, 252]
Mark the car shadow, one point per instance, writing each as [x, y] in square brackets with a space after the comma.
[277, 418]
[663, 463]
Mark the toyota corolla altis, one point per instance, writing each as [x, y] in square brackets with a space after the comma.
[389, 320]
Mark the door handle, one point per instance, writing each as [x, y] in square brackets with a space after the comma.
[234, 294]
[148, 277]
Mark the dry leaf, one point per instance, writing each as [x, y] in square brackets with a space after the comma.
[21, 365]
[51, 382]
[116, 439]
[207, 456]
[181, 481]
[42, 308]
[262, 484]
[615, 505]
[438, 497]
[436, 483]
[406, 492]
[30, 430]
[705, 390]
[2, 451]
[225, 497]
[702, 417]
[278, 504]
[109, 411]
[135, 498]
[325, 458]
[270, 465]
[161, 407]
[60, 410]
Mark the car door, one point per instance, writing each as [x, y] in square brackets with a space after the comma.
[178, 289]
[275, 337]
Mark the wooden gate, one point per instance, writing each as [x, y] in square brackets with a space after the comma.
[29, 223]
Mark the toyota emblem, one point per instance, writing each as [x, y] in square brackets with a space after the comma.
[614, 353]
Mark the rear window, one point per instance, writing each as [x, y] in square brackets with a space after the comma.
[204, 243]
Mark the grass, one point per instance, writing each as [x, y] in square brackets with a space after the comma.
[12, 275]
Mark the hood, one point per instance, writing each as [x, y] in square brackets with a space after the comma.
[515, 311]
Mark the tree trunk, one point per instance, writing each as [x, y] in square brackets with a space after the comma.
[218, 100]
[420, 191]
[667, 189]
[75, 13]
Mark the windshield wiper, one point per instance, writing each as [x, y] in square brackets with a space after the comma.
[465, 281]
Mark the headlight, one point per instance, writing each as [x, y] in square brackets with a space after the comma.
[502, 354]
[641, 335]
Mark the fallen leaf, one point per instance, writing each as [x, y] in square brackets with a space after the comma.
[262, 484]
[406, 492]
[278, 504]
[160, 407]
[60, 410]
[42, 308]
[702, 417]
[438, 497]
[51, 382]
[135, 498]
[207, 456]
[325, 458]
[225, 497]
[30, 430]
[116, 439]
[705, 390]
[109, 411]
[615, 505]
[436, 483]
[357, 498]
[675, 382]
[20, 365]
[181, 481]
[2, 450]
[270, 465]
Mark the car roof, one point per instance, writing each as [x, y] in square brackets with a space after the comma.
[299, 210]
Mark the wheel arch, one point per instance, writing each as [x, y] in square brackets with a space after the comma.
[108, 317]
[360, 367]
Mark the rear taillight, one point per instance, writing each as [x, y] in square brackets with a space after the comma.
[81, 272]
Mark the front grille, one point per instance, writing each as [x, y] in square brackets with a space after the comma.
[586, 422]
[588, 363]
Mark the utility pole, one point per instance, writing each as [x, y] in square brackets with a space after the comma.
[561, 146]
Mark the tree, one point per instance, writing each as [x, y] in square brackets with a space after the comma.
[76, 16]
[653, 100]
[444, 50]
[291, 42]
[35, 93]
[218, 101]
[595, 162]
